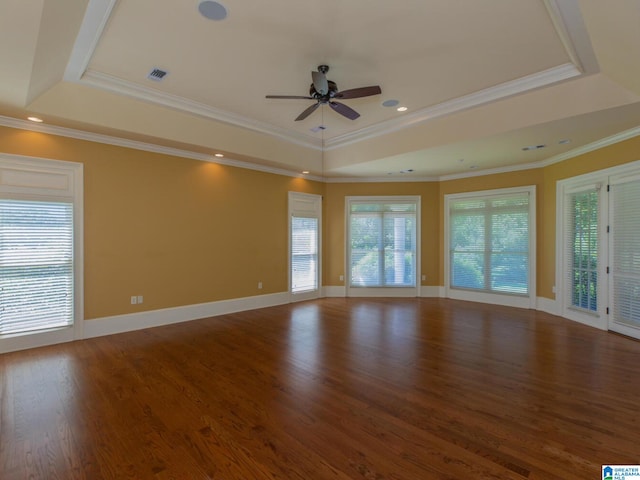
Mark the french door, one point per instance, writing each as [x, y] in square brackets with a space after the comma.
[624, 256]
[599, 249]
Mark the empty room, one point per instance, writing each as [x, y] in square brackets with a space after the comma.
[347, 240]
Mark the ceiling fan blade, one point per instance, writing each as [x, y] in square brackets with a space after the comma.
[359, 92]
[342, 109]
[289, 96]
[308, 111]
[320, 82]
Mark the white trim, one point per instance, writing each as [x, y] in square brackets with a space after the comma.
[306, 205]
[428, 291]
[155, 318]
[491, 298]
[514, 87]
[95, 20]
[566, 19]
[72, 190]
[383, 291]
[391, 292]
[548, 305]
[175, 102]
[147, 147]
[334, 291]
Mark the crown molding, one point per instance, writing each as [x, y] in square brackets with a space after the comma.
[498, 92]
[139, 92]
[593, 146]
[147, 147]
[565, 15]
[95, 20]
[387, 179]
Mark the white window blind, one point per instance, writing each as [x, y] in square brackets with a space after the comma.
[489, 243]
[36, 265]
[304, 254]
[382, 244]
[626, 252]
[582, 248]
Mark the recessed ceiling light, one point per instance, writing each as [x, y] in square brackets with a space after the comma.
[402, 109]
[564, 141]
[533, 147]
[390, 103]
[212, 10]
[35, 119]
[219, 155]
[317, 129]
[305, 172]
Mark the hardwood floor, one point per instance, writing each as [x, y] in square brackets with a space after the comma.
[384, 389]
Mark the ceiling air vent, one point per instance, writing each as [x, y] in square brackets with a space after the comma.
[156, 74]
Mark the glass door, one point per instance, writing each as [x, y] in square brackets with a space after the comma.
[625, 255]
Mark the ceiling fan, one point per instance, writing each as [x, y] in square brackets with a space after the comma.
[324, 92]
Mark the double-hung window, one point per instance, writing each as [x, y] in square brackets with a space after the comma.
[40, 252]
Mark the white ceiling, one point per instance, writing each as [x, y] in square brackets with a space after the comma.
[480, 80]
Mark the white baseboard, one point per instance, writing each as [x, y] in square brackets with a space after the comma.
[334, 291]
[155, 318]
[428, 291]
[547, 305]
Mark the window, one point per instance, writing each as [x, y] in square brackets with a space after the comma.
[581, 217]
[382, 245]
[41, 275]
[304, 254]
[625, 254]
[36, 265]
[598, 263]
[491, 242]
[305, 221]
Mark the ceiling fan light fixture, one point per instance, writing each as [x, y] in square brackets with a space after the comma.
[390, 103]
[212, 10]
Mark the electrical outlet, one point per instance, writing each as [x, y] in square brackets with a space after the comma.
[259, 285]
[134, 299]
[140, 298]
[342, 278]
[424, 277]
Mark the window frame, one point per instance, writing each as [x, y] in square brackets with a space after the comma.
[37, 179]
[304, 205]
[380, 291]
[508, 299]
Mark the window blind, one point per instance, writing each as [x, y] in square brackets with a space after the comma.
[36, 265]
[304, 254]
[581, 249]
[626, 252]
[382, 244]
[489, 243]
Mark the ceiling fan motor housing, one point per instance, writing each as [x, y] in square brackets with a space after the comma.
[333, 89]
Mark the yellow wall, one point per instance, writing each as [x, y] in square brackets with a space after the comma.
[177, 231]
[182, 232]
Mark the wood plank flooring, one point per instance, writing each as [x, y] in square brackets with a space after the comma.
[375, 389]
